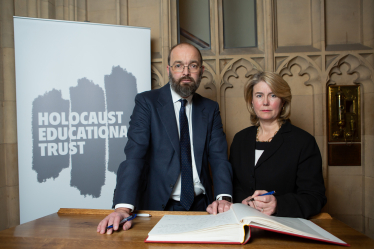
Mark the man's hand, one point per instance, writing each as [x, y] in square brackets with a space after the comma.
[218, 207]
[114, 219]
[266, 204]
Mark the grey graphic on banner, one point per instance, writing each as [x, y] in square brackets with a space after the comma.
[119, 94]
[85, 128]
[46, 165]
[88, 167]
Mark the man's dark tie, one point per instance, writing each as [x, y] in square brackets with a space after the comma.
[187, 191]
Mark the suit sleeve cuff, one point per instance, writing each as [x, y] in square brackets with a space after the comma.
[124, 205]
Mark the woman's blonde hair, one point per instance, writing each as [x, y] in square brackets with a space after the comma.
[278, 86]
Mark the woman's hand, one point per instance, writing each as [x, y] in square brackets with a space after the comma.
[266, 204]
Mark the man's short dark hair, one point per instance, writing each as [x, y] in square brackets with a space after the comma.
[188, 44]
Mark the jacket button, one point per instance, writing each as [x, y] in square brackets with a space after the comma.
[171, 186]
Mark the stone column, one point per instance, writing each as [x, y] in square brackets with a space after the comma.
[269, 35]
[9, 196]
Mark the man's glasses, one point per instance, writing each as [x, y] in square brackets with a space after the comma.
[193, 67]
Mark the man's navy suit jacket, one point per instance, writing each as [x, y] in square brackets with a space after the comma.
[152, 166]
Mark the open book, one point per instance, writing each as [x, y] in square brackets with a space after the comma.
[232, 227]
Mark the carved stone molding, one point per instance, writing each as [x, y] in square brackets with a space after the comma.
[156, 78]
[230, 71]
[356, 66]
[71, 10]
[210, 83]
[307, 67]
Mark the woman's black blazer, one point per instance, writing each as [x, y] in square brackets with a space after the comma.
[292, 166]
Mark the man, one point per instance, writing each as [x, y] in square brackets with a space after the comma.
[173, 134]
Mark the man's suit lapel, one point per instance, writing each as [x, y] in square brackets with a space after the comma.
[167, 115]
[199, 126]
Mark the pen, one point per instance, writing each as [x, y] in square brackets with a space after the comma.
[132, 216]
[268, 193]
[144, 215]
[124, 220]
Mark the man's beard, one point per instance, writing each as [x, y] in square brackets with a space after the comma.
[185, 90]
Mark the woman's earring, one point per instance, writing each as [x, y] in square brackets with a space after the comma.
[252, 107]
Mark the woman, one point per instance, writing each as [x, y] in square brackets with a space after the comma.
[274, 155]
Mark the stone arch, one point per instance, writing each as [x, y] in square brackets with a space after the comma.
[356, 66]
[229, 71]
[210, 83]
[156, 78]
[309, 68]
[306, 65]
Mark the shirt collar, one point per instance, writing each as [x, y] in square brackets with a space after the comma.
[175, 96]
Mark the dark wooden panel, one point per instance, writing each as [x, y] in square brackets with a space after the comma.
[344, 154]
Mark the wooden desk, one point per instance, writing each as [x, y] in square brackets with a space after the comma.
[76, 228]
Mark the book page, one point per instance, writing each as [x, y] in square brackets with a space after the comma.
[291, 225]
[248, 215]
[321, 231]
[243, 211]
[173, 224]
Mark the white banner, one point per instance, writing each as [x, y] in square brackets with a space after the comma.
[75, 84]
